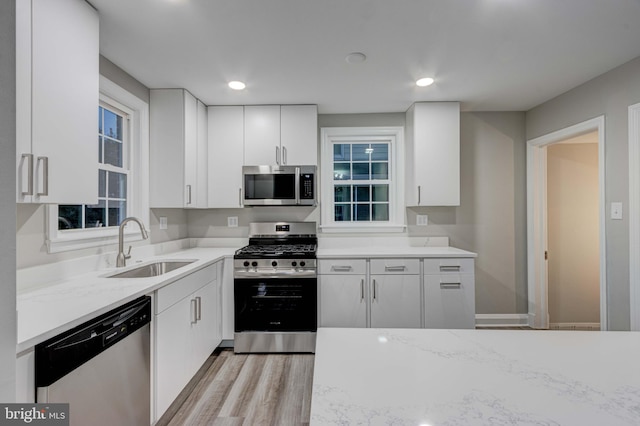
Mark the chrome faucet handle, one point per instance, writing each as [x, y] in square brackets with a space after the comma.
[128, 255]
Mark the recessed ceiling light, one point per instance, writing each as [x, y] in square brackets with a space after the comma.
[237, 85]
[355, 57]
[426, 81]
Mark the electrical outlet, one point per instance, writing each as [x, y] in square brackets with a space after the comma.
[232, 221]
[163, 222]
[422, 220]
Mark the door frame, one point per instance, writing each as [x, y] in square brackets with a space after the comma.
[634, 216]
[537, 271]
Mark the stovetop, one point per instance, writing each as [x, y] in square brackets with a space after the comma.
[288, 250]
[280, 240]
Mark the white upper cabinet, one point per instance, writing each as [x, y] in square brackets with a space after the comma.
[281, 135]
[226, 151]
[433, 154]
[178, 144]
[299, 134]
[57, 93]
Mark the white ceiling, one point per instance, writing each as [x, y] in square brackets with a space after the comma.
[492, 55]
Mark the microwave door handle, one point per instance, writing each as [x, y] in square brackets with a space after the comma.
[297, 185]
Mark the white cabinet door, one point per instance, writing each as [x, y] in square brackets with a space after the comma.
[299, 134]
[226, 156]
[395, 301]
[202, 180]
[262, 135]
[433, 154]
[57, 89]
[449, 301]
[190, 147]
[206, 336]
[26, 378]
[343, 301]
[173, 352]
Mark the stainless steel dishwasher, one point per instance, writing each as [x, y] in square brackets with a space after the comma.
[101, 368]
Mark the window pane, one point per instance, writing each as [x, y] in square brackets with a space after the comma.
[100, 109]
[380, 192]
[69, 217]
[380, 152]
[379, 170]
[102, 183]
[112, 125]
[342, 193]
[117, 185]
[341, 171]
[342, 213]
[363, 212]
[95, 215]
[117, 212]
[99, 149]
[360, 171]
[112, 152]
[341, 152]
[380, 211]
[360, 152]
[361, 193]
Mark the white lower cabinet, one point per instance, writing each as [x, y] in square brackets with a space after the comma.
[395, 301]
[449, 293]
[187, 330]
[26, 378]
[342, 301]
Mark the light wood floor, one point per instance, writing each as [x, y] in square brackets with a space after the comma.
[243, 389]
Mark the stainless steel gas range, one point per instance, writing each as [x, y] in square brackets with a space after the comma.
[275, 289]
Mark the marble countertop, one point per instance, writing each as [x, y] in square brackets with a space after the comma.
[475, 377]
[378, 251]
[46, 312]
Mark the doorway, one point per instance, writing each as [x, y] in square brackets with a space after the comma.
[562, 292]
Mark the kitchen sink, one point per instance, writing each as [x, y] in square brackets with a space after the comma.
[153, 269]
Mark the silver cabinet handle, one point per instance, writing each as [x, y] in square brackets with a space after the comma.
[338, 268]
[45, 176]
[418, 194]
[277, 155]
[194, 311]
[374, 289]
[240, 197]
[361, 290]
[188, 194]
[449, 268]
[284, 155]
[450, 285]
[198, 308]
[395, 268]
[29, 158]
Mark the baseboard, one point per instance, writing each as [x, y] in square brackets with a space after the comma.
[502, 320]
[590, 326]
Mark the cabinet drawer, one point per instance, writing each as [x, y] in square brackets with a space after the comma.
[448, 266]
[342, 266]
[178, 290]
[395, 266]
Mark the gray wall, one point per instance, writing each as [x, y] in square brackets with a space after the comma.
[610, 95]
[7, 201]
[124, 80]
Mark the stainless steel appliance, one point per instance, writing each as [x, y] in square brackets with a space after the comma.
[275, 289]
[279, 185]
[101, 368]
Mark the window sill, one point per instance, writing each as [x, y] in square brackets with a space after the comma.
[88, 239]
[350, 228]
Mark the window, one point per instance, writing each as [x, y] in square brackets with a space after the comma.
[122, 151]
[362, 190]
[113, 173]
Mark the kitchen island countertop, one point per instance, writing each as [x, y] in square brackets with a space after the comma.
[475, 377]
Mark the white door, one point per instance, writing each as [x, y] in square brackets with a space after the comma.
[299, 134]
[262, 135]
[395, 301]
[449, 301]
[343, 301]
[225, 153]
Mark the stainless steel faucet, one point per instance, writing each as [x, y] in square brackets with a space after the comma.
[121, 260]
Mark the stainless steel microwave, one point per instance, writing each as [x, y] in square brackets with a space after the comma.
[279, 185]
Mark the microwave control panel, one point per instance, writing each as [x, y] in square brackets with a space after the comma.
[306, 186]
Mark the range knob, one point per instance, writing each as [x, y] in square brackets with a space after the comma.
[303, 263]
[254, 263]
[274, 263]
[294, 263]
[246, 263]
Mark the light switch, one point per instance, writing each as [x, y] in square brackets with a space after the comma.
[616, 210]
[232, 221]
[163, 222]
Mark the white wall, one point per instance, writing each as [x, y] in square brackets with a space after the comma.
[610, 95]
[7, 201]
[573, 233]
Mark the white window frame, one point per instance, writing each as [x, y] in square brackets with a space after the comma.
[137, 183]
[332, 135]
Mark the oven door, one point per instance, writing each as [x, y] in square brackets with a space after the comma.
[275, 304]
